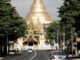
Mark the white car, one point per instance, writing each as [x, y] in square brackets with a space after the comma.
[58, 55]
[29, 50]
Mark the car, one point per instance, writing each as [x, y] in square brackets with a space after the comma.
[29, 50]
[57, 55]
[52, 57]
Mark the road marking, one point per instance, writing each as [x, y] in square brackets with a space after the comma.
[17, 58]
[46, 56]
[33, 56]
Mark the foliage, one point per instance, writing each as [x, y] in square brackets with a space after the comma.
[52, 30]
[10, 21]
[69, 13]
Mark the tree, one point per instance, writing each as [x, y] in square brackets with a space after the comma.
[52, 31]
[10, 20]
[69, 13]
[12, 25]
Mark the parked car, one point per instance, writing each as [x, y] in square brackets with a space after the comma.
[57, 55]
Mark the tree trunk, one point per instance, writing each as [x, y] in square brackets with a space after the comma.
[5, 49]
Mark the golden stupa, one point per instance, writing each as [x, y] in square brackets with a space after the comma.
[35, 20]
[38, 11]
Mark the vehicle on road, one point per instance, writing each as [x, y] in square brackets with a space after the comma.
[57, 55]
[29, 50]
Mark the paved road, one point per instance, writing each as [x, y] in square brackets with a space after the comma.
[41, 55]
[36, 55]
[22, 56]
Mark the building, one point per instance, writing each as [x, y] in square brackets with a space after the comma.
[36, 20]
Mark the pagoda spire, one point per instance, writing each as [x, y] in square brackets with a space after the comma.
[37, 1]
[38, 6]
[38, 11]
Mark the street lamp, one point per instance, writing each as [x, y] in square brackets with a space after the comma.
[72, 38]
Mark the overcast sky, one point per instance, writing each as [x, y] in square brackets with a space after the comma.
[23, 7]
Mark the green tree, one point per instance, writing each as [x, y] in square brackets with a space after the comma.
[69, 13]
[10, 20]
[51, 31]
[12, 25]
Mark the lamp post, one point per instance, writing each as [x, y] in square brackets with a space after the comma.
[72, 38]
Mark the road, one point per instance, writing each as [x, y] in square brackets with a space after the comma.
[41, 55]
[35, 55]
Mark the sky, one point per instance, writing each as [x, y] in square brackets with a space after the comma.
[23, 7]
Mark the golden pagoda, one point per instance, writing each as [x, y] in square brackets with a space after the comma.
[35, 20]
[38, 11]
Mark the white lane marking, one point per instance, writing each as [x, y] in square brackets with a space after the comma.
[46, 56]
[33, 56]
